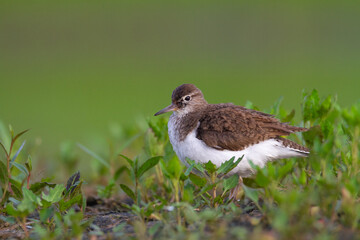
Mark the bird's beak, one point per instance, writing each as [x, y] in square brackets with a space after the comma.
[169, 108]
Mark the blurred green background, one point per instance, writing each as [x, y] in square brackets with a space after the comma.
[72, 70]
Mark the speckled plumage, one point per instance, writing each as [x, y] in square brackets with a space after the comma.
[217, 132]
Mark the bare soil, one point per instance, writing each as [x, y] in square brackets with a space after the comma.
[109, 213]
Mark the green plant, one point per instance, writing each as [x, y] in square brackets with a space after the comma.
[20, 198]
[209, 178]
[312, 198]
[10, 185]
[136, 172]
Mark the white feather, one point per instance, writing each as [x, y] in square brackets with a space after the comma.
[261, 153]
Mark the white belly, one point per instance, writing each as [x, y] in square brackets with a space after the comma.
[195, 149]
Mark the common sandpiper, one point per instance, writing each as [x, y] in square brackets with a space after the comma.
[217, 132]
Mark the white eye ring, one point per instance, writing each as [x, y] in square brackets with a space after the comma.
[187, 98]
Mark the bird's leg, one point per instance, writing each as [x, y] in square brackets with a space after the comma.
[234, 192]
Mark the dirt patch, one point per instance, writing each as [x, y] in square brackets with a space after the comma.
[108, 214]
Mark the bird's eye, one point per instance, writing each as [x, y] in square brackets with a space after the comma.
[187, 98]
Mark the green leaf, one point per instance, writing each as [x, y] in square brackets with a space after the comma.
[250, 182]
[16, 187]
[55, 194]
[196, 165]
[65, 205]
[276, 107]
[26, 206]
[302, 177]
[46, 214]
[29, 202]
[208, 187]
[312, 134]
[228, 165]
[261, 179]
[131, 162]
[136, 166]
[94, 155]
[107, 191]
[284, 170]
[289, 117]
[311, 105]
[128, 191]
[10, 220]
[198, 181]
[188, 170]
[21, 168]
[158, 126]
[76, 189]
[10, 210]
[174, 168]
[3, 147]
[150, 163]
[326, 106]
[168, 151]
[28, 164]
[72, 182]
[39, 186]
[188, 195]
[28, 194]
[210, 167]
[19, 134]
[251, 193]
[3, 173]
[231, 182]
[17, 153]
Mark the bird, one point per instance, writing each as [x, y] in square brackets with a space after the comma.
[206, 132]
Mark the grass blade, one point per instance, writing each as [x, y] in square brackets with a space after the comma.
[94, 155]
[17, 153]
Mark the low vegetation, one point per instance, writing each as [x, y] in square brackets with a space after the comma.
[312, 198]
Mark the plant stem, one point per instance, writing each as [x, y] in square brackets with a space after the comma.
[8, 166]
[137, 191]
[23, 226]
[28, 180]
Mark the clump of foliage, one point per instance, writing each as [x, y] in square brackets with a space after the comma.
[312, 198]
[21, 199]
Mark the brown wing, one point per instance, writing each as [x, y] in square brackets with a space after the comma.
[231, 127]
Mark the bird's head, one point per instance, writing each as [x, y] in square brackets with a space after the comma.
[185, 98]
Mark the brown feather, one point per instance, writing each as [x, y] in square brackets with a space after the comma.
[226, 126]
